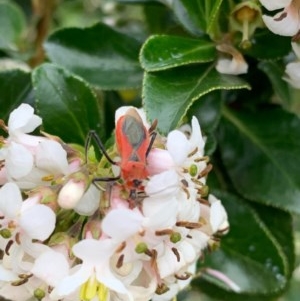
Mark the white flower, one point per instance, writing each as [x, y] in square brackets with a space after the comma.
[285, 22]
[234, 64]
[94, 270]
[27, 218]
[23, 221]
[29, 159]
[21, 121]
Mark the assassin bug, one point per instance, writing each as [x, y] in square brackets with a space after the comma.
[134, 143]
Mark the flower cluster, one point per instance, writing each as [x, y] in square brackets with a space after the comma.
[66, 236]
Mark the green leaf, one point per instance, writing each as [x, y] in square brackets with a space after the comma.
[283, 232]
[263, 162]
[208, 110]
[66, 103]
[12, 25]
[15, 88]
[168, 94]
[275, 73]
[198, 16]
[253, 255]
[101, 55]
[280, 46]
[162, 52]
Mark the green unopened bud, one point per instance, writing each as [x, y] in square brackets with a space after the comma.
[39, 294]
[5, 233]
[175, 237]
[141, 248]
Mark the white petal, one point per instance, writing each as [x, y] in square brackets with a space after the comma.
[196, 139]
[287, 26]
[178, 146]
[10, 200]
[94, 251]
[23, 119]
[218, 216]
[293, 72]
[51, 156]
[70, 283]
[7, 275]
[89, 202]
[231, 66]
[51, 267]
[17, 293]
[120, 224]
[159, 160]
[19, 161]
[105, 276]
[38, 221]
[160, 213]
[165, 183]
[275, 4]
[200, 239]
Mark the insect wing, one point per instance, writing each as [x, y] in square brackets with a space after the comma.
[132, 137]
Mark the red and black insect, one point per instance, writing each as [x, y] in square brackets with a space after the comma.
[134, 143]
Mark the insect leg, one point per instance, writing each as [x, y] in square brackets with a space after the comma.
[93, 135]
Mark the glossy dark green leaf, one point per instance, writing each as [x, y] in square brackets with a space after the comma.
[66, 103]
[210, 144]
[12, 25]
[15, 88]
[263, 162]
[208, 110]
[168, 94]
[252, 257]
[162, 52]
[199, 16]
[101, 55]
[275, 73]
[281, 46]
[283, 231]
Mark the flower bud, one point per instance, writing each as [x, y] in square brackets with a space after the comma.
[73, 190]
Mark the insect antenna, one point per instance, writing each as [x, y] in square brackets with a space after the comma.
[153, 136]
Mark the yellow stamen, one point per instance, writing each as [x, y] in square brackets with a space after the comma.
[89, 289]
[93, 288]
[103, 292]
[48, 178]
